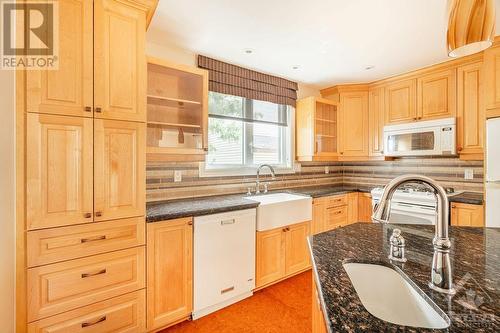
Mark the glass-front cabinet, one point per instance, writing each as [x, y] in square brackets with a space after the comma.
[317, 130]
[177, 112]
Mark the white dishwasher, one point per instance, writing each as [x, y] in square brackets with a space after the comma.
[224, 260]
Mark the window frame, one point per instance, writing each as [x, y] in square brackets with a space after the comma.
[246, 170]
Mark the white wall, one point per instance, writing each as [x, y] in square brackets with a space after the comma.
[7, 201]
[182, 56]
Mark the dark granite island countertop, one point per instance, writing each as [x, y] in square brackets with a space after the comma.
[475, 258]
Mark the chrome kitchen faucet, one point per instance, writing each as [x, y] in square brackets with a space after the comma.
[441, 274]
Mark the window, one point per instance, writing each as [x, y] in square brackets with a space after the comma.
[244, 133]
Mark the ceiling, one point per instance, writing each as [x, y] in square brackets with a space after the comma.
[331, 41]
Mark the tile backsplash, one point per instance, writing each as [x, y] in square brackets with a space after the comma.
[449, 172]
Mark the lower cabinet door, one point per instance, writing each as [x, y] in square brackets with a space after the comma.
[170, 272]
[122, 314]
[296, 253]
[466, 215]
[68, 285]
[318, 320]
[365, 210]
[270, 256]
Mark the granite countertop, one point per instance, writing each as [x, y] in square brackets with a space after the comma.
[475, 259]
[473, 198]
[166, 210]
[172, 209]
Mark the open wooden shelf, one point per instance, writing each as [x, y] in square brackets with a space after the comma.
[173, 102]
[326, 120]
[160, 123]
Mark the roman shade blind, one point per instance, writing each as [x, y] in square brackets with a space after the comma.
[238, 81]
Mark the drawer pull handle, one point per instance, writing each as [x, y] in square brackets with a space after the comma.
[92, 239]
[85, 275]
[337, 212]
[98, 214]
[99, 110]
[88, 109]
[100, 320]
[223, 291]
[87, 215]
[224, 222]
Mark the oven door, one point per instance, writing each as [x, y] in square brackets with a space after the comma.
[405, 213]
[413, 142]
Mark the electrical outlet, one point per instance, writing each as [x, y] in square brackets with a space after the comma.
[327, 169]
[297, 167]
[469, 174]
[177, 176]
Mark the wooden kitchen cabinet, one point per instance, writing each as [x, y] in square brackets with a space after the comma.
[67, 90]
[492, 78]
[466, 215]
[354, 124]
[122, 314]
[119, 77]
[365, 210]
[296, 252]
[317, 129]
[436, 95]
[169, 272]
[281, 252]
[401, 101]
[318, 319]
[318, 212]
[59, 170]
[177, 112]
[376, 113]
[352, 207]
[119, 159]
[68, 285]
[470, 112]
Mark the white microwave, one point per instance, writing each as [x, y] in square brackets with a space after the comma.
[424, 138]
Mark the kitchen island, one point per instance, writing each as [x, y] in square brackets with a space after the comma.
[475, 259]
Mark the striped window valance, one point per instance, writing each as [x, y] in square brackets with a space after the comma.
[235, 80]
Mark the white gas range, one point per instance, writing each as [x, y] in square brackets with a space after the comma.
[411, 205]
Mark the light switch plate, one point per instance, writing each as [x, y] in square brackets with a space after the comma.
[177, 176]
[327, 169]
[469, 174]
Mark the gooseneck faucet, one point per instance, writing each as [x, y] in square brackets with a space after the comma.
[441, 274]
[257, 183]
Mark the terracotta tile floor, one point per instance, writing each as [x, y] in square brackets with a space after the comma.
[284, 307]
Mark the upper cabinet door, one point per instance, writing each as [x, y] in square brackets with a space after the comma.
[470, 111]
[492, 76]
[119, 169]
[401, 106]
[354, 124]
[119, 61]
[58, 170]
[436, 95]
[67, 90]
[376, 103]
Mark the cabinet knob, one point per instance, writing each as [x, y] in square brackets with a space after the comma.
[87, 109]
[87, 215]
[98, 214]
[98, 110]
[190, 223]
[460, 149]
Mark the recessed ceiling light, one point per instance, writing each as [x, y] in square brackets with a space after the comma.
[369, 67]
[248, 51]
[296, 67]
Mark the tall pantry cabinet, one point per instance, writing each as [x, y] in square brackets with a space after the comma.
[84, 165]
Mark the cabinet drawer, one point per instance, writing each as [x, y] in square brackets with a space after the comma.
[335, 201]
[335, 217]
[54, 245]
[68, 285]
[122, 314]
